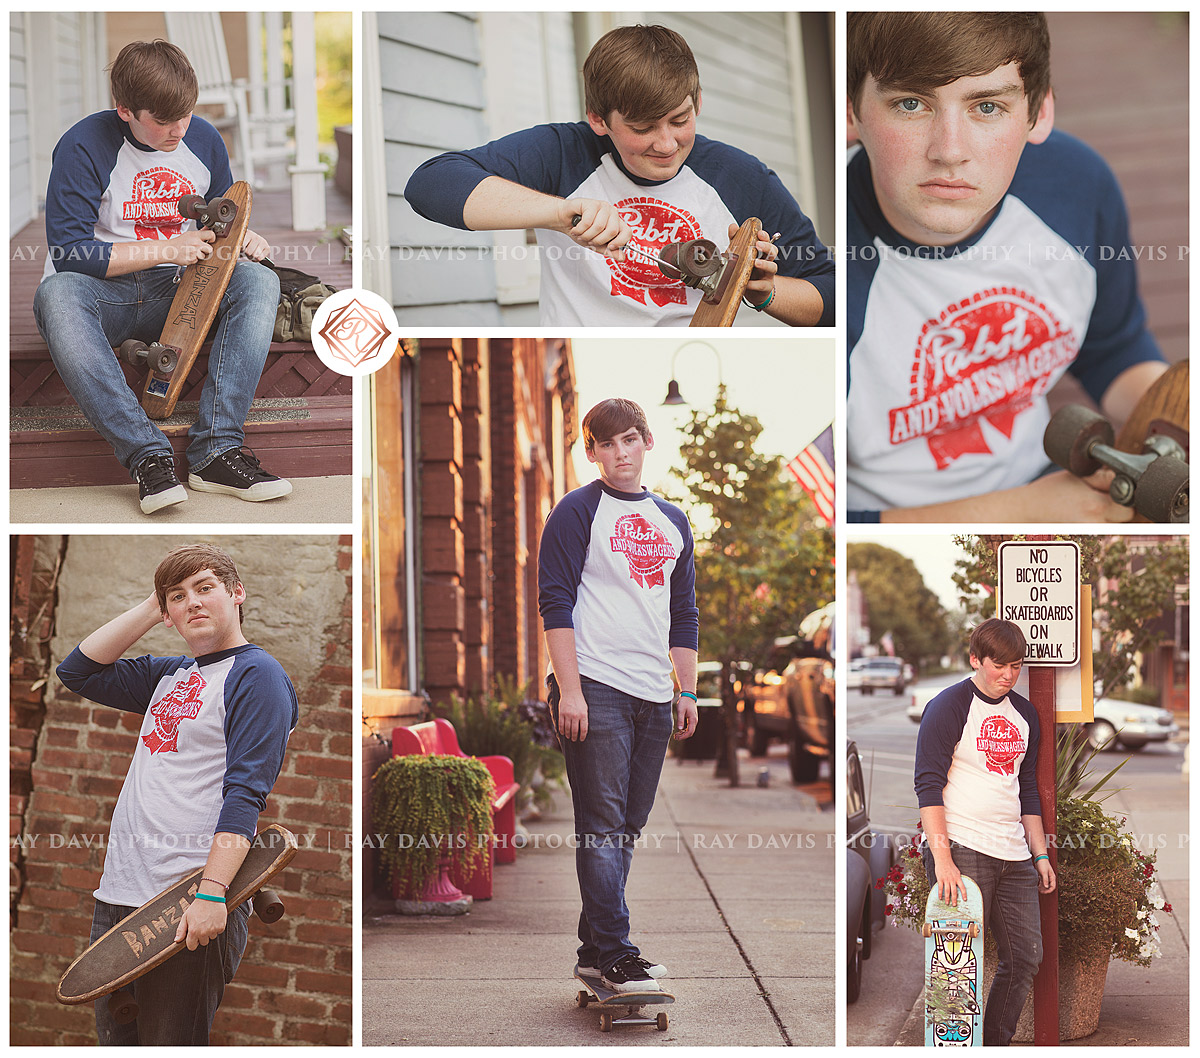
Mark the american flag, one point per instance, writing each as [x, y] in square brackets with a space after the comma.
[813, 468]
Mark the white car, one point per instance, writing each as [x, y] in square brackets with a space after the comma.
[1117, 723]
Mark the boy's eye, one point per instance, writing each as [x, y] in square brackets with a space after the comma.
[909, 106]
[989, 108]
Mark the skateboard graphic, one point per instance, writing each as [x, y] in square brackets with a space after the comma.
[611, 1003]
[1149, 456]
[145, 938]
[196, 300]
[954, 969]
[720, 277]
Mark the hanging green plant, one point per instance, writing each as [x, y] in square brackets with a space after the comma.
[426, 809]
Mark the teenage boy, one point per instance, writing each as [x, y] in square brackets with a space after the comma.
[117, 244]
[988, 256]
[616, 590]
[632, 178]
[211, 745]
[980, 812]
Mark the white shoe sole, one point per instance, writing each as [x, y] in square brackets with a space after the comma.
[163, 499]
[263, 490]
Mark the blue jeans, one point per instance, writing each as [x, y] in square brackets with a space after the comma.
[613, 775]
[82, 318]
[1012, 913]
[177, 1000]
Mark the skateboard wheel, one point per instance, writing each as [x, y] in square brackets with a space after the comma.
[582, 998]
[133, 352]
[663, 1022]
[1162, 492]
[268, 906]
[926, 930]
[606, 1021]
[122, 1006]
[161, 358]
[1070, 433]
[973, 930]
[191, 207]
[699, 257]
[222, 210]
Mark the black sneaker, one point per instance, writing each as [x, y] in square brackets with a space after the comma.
[655, 970]
[628, 975]
[157, 484]
[238, 473]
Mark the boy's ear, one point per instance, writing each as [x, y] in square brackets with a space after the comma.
[124, 113]
[699, 93]
[851, 124]
[598, 125]
[1045, 120]
[239, 593]
[649, 440]
[591, 456]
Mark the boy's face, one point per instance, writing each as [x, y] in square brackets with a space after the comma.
[652, 150]
[994, 678]
[148, 130]
[205, 612]
[942, 160]
[619, 459]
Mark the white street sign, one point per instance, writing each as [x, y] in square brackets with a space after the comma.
[1039, 592]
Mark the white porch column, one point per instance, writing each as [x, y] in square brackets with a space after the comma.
[308, 174]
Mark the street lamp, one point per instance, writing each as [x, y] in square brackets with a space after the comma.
[673, 395]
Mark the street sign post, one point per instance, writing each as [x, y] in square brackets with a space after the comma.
[1039, 592]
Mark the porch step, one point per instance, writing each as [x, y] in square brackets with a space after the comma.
[293, 436]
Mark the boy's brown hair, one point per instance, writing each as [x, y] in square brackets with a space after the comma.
[611, 417]
[1000, 640]
[644, 72]
[156, 76]
[188, 560]
[920, 51]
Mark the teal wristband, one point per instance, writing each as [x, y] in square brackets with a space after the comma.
[759, 308]
[214, 899]
[688, 694]
[1040, 856]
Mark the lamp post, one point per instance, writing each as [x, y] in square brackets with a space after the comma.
[674, 397]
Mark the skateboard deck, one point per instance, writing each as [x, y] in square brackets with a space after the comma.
[621, 1008]
[145, 938]
[1150, 455]
[194, 307]
[954, 969]
[720, 277]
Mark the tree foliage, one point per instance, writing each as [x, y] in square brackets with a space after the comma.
[1135, 582]
[897, 601]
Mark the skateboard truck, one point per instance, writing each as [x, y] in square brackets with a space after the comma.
[1154, 481]
[699, 264]
[218, 214]
[155, 356]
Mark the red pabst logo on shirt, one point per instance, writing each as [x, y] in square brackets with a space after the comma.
[1001, 744]
[183, 703]
[646, 547]
[984, 359]
[153, 203]
[655, 224]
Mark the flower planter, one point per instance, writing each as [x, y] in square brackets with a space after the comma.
[1080, 993]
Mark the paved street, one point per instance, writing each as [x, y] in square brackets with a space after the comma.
[1141, 1005]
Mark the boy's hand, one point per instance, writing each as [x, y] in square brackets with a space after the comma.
[1062, 497]
[949, 881]
[190, 246]
[573, 716]
[687, 718]
[255, 246]
[599, 227]
[762, 279]
[1046, 879]
[203, 920]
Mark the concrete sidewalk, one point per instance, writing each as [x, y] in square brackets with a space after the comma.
[733, 891]
[1143, 1005]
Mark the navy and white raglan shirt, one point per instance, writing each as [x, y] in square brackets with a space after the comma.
[208, 753]
[106, 187]
[617, 567]
[978, 756]
[953, 349]
[718, 185]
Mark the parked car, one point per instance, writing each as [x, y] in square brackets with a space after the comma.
[869, 856]
[793, 700]
[854, 673]
[885, 673]
[1117, 723]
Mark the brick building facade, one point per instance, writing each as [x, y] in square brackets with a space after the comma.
[494, 422]
[68, 758]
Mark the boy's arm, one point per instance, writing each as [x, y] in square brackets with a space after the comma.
[1127, 389]
[797, 302]
[205, 919]
[108, 643]
[572, 706]
[685, 661]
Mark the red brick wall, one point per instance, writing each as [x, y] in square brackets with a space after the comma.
[294, 985]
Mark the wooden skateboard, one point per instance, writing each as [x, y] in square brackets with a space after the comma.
[145, 938]
[954, 969]
[720, 277]
[1149, 456]
[611, 1003]
[196, 300]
